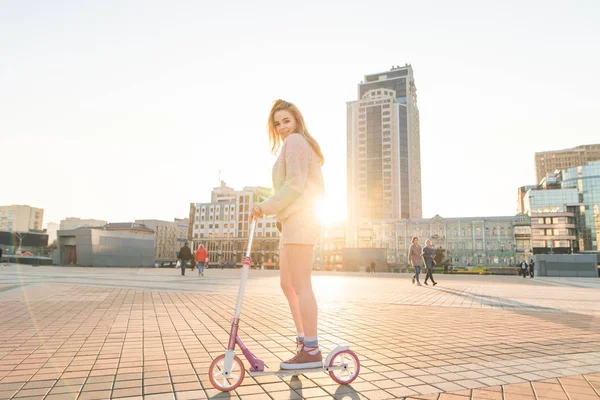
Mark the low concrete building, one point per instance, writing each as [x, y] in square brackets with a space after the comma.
[569, 265]
[355, 259]
[114, 245]
[17, 243]
[74, 223]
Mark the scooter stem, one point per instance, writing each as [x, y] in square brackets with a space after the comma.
[245, 268]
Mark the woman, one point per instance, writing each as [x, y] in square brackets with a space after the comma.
[428, 256]
[415, 259]
[298, 184]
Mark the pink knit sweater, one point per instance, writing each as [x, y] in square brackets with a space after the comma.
[297, 179]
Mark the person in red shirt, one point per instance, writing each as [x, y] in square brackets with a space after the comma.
[201, 256]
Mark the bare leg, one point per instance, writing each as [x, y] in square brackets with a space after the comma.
[285, 273]
[299, 261]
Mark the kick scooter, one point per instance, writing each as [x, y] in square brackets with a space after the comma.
[227, 371]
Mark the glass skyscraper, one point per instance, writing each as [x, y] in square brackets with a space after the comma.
[586, 180]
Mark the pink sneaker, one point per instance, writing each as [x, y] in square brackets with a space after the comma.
[304, 360]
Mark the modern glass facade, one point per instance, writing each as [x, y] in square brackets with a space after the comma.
[585, 180]
[550, 200]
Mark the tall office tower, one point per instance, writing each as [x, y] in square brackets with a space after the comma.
[384, 151]
[547, 162]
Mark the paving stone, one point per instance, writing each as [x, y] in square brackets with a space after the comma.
[153, 331]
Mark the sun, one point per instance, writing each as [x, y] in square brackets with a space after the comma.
[329, 211]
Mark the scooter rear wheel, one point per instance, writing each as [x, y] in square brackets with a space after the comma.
[350, 367]
[222, 382]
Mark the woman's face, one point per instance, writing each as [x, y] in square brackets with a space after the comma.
[416, 241]
[428, 243]
[285, 123]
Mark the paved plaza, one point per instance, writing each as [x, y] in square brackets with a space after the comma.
[92, 333]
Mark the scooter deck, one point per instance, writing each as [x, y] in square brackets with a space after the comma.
[287, 372]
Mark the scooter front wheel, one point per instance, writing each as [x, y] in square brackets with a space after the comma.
[347, 367]
[223, 381]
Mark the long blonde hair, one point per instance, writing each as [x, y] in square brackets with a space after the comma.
[275, 138]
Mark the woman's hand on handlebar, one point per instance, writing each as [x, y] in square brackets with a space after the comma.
[255, 213]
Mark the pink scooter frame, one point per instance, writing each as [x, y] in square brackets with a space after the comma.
[257, 365]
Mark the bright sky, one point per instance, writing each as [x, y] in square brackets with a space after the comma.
[123, 110]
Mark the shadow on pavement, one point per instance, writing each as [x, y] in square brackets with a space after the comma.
[346, 392]
[563, 317]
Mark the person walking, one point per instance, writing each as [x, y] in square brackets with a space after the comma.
[372, 267]
[184, 255]
[415, 259]
[428, 256]
[201, 257]
[524, 268]
[531, 265]
[298, 184]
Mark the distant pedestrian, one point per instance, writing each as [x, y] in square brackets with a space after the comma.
[201, 257]
[428, 257]
[531, 265]
[184, 255]
[524, 268]
[415, 259]
[373, 267]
